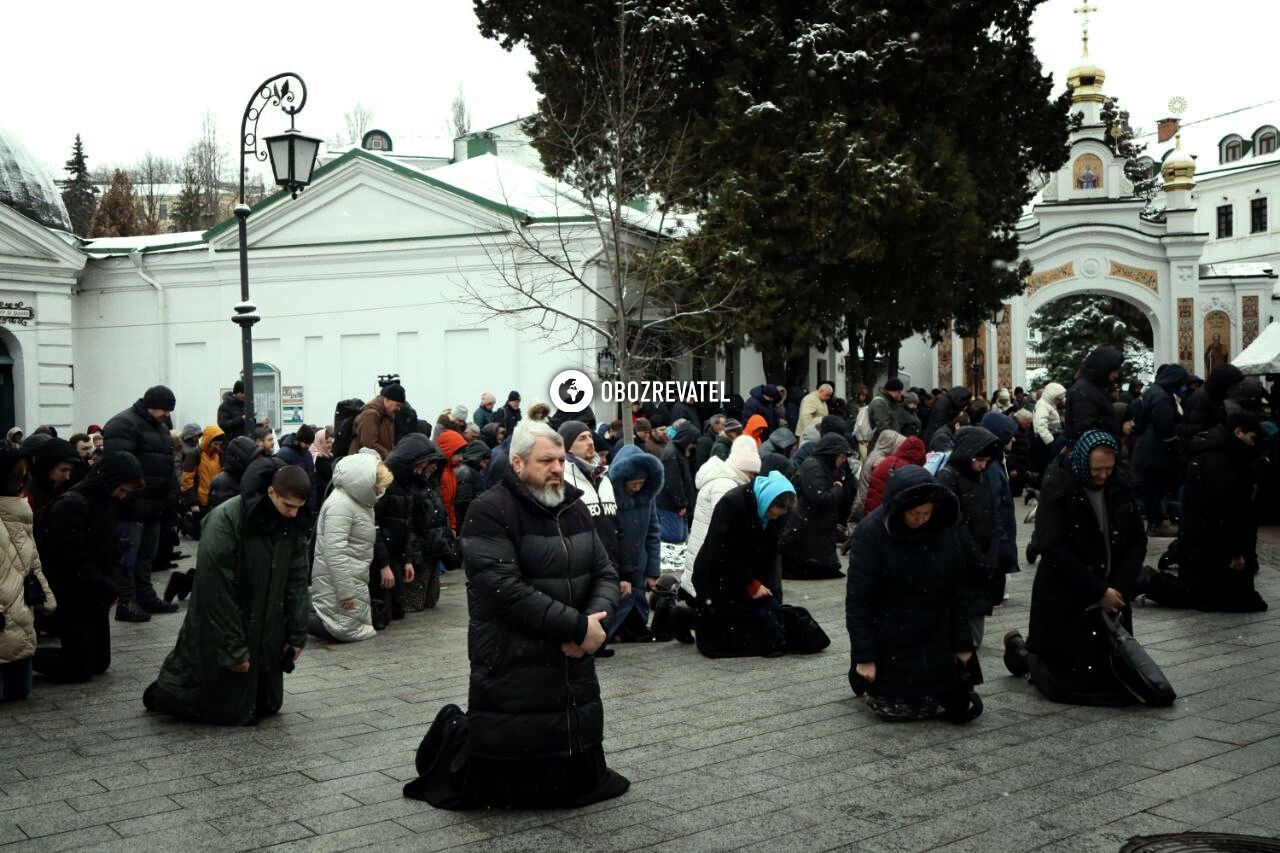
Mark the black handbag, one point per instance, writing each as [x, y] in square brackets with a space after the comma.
[32, 591]
[1134, 668]
[800, 630]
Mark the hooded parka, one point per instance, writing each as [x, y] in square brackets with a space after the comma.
[344, 550]
[1088, 405]
[249, 601]
[374, 428]
[904, 601]
[887, 443]
[809, 540]
[1046, 420]
[236, 456]
[978, 523]
[637, 515]
[1157, 425]
[910, 452]
[946, 408]
[470, 477]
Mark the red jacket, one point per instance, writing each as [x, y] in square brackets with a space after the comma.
[910, 453]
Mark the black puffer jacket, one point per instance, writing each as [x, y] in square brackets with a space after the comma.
[1088, 404]
[231, 417]
[978, 524]
[394, 511]
[236, 456]
[135, 431]
[470, 477]
[1204, 407]
[945, 410]
[904, 606]
[678, 491]
[40, 489]
[534, 574]
[809, 543]
[1157, 424]
[1073, 572]
[79, 541]
[738, 549]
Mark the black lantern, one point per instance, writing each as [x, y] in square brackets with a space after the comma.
[293, 156]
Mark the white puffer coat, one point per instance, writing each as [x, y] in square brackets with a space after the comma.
[716, 478]
[1046, 421]
[18, 557]
[344, 549]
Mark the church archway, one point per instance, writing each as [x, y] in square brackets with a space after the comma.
[1062, 330]
[12, 408]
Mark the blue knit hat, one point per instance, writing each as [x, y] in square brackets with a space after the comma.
[767, 490]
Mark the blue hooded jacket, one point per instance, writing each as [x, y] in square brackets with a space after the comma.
[1003, 428]
[767, 490]
[637, 514]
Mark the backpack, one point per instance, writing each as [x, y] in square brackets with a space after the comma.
[862, 426]
[344, 425]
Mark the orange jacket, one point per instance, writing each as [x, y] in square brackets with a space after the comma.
[756, 426]
[450, 442]
[210, 462]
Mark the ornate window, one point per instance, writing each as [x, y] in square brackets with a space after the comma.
[1230, 149]
[1265, 140]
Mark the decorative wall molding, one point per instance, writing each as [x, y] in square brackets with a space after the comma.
[1149, 279]
[1218, 302]
[1039, 280]
[944, 357]
[1004, 349]
[1187, 334]
[1249, 320]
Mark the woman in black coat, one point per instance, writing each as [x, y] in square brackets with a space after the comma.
[809, 543]
[909, 636]
[735, 573]
[79, 548]
[1092, 543]
[1218, 541]
[470, 475]
[1156, 455]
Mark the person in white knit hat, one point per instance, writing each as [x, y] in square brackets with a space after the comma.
[714, 480]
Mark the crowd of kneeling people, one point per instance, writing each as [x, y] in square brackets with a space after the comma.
[574, 540]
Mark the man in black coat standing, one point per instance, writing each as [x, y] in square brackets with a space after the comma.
[1089, 404]
[540, 585]
[143, 430]
[1157, 452]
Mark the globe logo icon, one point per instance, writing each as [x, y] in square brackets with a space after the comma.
[571, 391]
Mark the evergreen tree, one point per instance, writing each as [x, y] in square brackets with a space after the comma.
[1074, 326]
[78, 191]
[189, 208]
[861, 165]
[117, 213]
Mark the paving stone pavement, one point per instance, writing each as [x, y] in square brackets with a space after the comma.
[755, 754]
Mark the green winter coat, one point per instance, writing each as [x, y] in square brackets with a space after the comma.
[250, 599]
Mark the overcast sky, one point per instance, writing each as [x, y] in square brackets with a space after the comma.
[132, 75]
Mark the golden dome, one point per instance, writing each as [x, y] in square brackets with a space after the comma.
[1085, 82]
[1179, 170]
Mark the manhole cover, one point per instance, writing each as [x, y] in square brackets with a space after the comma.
[1201, 842]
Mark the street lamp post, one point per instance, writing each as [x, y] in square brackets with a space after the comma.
[292, 156]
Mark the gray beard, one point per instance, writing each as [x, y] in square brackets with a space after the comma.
[548, 496]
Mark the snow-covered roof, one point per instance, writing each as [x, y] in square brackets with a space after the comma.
[1201, 138]
[1242, 269]
[27, 186]
[148, 243]
[402, 146]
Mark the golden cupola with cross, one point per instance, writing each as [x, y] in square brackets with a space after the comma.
[1086, 79]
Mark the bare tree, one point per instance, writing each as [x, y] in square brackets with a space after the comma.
[151, 175]
[459, 114]
[208, 160]
[607, 241]
[358, 119]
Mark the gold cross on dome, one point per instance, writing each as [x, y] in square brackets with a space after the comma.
[1085, 10]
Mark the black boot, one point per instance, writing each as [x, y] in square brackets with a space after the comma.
[682, 624]
[1015, 654]
[964, 707]
[179, 585]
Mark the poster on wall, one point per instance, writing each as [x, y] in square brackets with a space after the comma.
[1217, 340]
[291, 406]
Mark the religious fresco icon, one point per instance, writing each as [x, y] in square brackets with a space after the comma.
[1217, 340]
[1087, 172]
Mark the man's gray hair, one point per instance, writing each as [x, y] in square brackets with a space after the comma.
[1023, 416]
[527, 434]
[717, 419]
